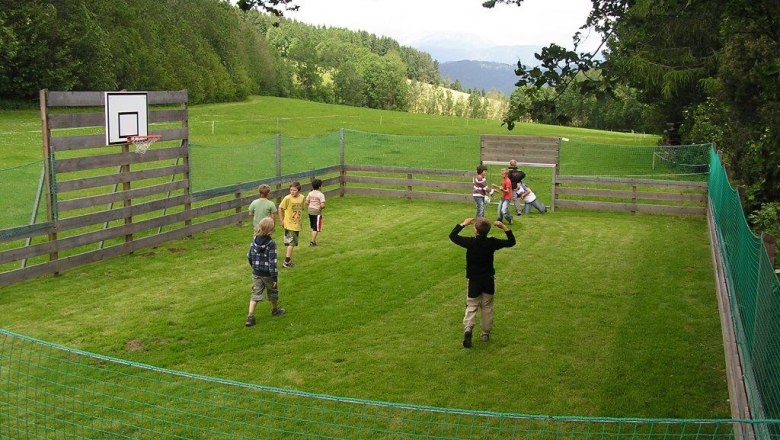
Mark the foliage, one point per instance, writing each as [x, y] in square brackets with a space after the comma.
[204, 47]
[767, 219]
[710, 63]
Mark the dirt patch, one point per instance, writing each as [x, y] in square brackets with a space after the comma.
[134, 345]
[176, 250]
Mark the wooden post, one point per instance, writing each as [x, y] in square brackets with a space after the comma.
[278, 165]
[343, 163]
[188, 152]
[48, 162]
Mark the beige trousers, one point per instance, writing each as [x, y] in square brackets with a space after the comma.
[484, 303]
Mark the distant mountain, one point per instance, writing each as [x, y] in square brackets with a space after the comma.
[455, 47]
[480, 75]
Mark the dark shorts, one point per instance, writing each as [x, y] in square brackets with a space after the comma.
[477, 287]
[315, 221]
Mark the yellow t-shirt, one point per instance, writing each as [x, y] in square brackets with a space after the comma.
[293, 211]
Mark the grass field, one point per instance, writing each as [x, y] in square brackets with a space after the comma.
[600, 314]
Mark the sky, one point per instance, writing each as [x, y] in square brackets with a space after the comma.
[410, 22]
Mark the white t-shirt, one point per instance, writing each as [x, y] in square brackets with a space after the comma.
[315, 199]
[530, 197]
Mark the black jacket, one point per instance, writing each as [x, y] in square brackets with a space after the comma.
[479, 251]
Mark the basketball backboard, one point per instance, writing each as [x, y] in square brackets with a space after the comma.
[126, 115]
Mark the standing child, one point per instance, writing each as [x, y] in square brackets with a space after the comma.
[506, 197]
[315, 200]
[262, 258]
[480, 272]
[480, 189]
[261, 207]
[290, 216]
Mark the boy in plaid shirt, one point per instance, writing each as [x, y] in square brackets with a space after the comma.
[262, 258]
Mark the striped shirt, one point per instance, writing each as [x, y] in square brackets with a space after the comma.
[480, 186]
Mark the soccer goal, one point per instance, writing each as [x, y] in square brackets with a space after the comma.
[529, 152]
[685, 159]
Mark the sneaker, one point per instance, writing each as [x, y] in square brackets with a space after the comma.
[467, 339]
[312, 244]
[288, 264]
[278, 312]
[250, 320]
[485, 337]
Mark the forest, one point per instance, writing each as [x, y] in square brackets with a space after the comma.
[709, 69]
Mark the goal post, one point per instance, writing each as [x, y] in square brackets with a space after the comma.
[527, 151]
[521, 165]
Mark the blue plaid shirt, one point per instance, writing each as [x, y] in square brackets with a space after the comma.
[262, 257]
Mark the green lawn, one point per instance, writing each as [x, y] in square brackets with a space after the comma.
[597, 314]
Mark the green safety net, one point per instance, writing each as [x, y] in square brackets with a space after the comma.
[50, 391]
[754, 293]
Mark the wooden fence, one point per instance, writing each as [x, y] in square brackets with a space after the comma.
[631, 195]
[105, 201]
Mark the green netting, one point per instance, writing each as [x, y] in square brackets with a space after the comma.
[662, 161]
[49, 391]
[217, 166]
[754, 291]
[304, 154]
[18, 190]
[446, 152]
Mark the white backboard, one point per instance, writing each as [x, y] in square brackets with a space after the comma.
[126, 115]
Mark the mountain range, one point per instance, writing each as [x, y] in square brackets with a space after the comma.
[474, 62]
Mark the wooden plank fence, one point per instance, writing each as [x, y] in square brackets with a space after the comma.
[631, 195]
[108, 203]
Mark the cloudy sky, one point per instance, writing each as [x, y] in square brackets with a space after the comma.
[410, 22]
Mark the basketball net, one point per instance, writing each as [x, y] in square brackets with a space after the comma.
[142, 143]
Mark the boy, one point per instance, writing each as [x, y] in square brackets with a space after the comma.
[262, 258]
[315, 200]
[524, 192]
[506, 197]
[480, 189]
[480, 272]
[290, 216]
[515, 176]
[261, 207]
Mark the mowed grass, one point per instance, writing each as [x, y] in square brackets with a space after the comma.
[597, 314]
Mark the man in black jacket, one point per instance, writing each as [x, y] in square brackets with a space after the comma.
[480, 272]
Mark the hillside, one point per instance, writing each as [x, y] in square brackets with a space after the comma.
[480, 75]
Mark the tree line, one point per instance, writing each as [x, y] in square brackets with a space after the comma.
[709, 67]
[216, 51]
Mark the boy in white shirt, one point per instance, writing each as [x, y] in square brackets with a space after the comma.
[315, 200]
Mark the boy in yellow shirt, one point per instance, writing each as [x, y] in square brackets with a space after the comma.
[291, 216]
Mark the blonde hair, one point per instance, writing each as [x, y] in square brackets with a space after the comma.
[264, 190]
[265, 227]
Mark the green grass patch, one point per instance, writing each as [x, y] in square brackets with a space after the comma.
[597, 314]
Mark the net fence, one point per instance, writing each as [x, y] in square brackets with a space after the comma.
[754, 293]
[53, 391]
[676, 162]
[214, 166]
[18, 190]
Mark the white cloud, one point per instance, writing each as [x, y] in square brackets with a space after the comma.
[535, 23]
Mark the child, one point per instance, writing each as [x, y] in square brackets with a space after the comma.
[315, 200]
[480, 272]
[262, 258]
[524, 192]
[506, 197]
[480, 189]
[290, 213]
[261, 207]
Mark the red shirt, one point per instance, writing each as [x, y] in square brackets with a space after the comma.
[506, 189]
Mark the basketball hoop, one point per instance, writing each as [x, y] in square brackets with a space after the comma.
[142, 143]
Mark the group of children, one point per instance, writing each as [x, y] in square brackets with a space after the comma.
[511, 189]
[262, 253]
